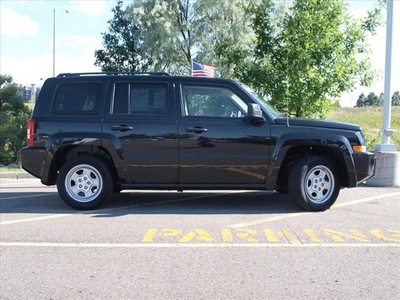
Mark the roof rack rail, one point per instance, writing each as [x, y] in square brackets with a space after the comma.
[112, 73]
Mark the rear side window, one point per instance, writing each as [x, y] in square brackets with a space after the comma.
[77, 98]
[140, 99]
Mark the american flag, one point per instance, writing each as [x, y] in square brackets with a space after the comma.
[204, 70]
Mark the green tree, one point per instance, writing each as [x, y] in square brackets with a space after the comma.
[374, 100]
[305, 56]
[380, 100]
[122, 45]
[13, 118]
[361, 101]
[396, 98]
[167, 35]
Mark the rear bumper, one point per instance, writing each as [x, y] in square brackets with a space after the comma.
[32, 160]
[364, 165]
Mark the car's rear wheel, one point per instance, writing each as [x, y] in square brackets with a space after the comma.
[314, 184]
[84, 182]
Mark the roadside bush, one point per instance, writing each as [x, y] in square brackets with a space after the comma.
[14, 116]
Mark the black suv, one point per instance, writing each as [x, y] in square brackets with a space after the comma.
[93, 134]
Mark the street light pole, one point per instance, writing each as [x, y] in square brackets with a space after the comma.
[386, 132]
[387, 168]
[54, 40]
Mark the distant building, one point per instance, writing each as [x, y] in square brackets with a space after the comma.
[27, 94]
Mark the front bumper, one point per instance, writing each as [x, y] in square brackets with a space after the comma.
[364, 165]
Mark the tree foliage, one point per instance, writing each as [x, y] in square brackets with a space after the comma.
[373, 100]
[178, 31]
[122, 45]
[370, 100]
[305, 56]
[396, 98]
[13, 118]
[167, 35]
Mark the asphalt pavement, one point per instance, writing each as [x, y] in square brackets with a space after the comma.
[197, 245]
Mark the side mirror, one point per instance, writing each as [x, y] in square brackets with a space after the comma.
[254, 114]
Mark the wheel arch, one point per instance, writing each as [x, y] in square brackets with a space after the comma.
[289, 151]
[294, 154]
[55, 161]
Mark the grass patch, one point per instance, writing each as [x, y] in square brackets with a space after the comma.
[371, 121]
[10, 169]
[30, 105]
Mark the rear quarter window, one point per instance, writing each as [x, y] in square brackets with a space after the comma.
[80, 98]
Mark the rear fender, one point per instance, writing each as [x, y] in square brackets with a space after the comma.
[57, 145]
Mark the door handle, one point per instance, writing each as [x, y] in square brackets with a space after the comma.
[196, 129]
[121, 127]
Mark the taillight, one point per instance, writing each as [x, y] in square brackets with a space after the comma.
[30, 133]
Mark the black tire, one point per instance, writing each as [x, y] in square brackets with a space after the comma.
[84, 182]
[314, 184]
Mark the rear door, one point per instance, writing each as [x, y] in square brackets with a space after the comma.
[217, 145]
[141, 122]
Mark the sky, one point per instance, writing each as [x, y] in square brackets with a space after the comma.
[26, 40]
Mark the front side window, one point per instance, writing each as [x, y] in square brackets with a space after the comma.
[77, 98]
[139, 99]
[205, 101]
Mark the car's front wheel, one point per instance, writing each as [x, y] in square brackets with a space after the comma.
[314, 183]
[84, 182]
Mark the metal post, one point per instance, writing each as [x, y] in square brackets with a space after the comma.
[386, 131]
[54, 42]
[388, 72]
[387, 168]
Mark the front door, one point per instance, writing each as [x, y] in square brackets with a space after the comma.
[216, 144]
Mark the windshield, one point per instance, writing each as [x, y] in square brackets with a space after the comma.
[261, 101]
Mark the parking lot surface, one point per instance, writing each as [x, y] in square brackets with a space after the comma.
[198, 245]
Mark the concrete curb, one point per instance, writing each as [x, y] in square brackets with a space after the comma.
[15, 175]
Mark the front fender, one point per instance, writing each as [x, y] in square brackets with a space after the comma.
[308, 143]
